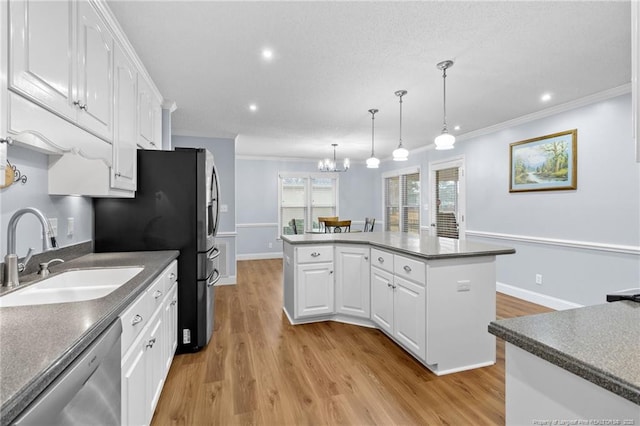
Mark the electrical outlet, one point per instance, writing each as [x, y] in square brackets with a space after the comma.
[70, 226]
[270, 245]
[539, 279]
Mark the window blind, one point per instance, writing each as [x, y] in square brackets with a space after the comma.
[402, 202]
[447, 190]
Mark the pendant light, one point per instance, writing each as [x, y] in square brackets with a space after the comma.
[327, 165]
[445, 140]
[400, 153]
[372, 162]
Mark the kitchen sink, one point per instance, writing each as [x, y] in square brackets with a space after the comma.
[71, 286]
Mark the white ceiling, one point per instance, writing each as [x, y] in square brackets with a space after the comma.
[335, 60]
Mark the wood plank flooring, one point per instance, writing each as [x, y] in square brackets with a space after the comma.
[260, 370]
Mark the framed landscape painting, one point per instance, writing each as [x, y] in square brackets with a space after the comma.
[546, 163]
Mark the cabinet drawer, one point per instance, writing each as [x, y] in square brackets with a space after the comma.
[134, 319]
[170, 276]
[156, 291]
[314, 254]
[412, 269]
[382, 260]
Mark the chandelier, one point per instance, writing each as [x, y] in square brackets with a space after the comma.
[328, 165]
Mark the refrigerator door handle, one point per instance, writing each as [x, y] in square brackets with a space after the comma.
[211, 280]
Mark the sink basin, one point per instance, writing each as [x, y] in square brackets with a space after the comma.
[71, 286]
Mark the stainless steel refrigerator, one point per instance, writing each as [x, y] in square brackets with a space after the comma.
[176, 207]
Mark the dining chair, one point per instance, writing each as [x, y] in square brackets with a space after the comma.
[323, 219]
[368, 224]
[337, 226]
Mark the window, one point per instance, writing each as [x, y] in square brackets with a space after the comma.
[402, 201]
[303, 198]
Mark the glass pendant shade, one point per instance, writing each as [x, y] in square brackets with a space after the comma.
[400, 154]
[328, 165]
[373, 163]
[445, 141]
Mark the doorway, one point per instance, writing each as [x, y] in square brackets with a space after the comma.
[447, 199]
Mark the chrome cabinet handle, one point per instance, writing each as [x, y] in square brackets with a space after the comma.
[80, 105]
[118, 174]
[389, 285]
[157, 294]
[330, 272]
[381, 260]
[315, 254]
[153, 143]
[172, 276]
[406, 268]
[173, 302]
[151, 343]
[84, 107]
[135, 320]
[8, 140]
[366, 258]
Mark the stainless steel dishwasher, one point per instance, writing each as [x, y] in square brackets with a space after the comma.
[87, 392]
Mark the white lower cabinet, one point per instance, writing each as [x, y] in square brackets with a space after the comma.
[398, 307]
[148, 351]
[315, 289]
[352, 280]
[314, 281]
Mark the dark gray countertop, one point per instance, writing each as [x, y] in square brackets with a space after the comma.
[599, 343]
[38, 342]
[423, 246]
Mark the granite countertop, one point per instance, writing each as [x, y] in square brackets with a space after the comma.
[599, 343]
[423, 246]
[38, 342]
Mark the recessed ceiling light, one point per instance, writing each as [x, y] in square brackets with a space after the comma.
[456, 128]
[545, 97]
[253, 107]
[267, 54]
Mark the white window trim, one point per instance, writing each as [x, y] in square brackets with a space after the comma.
[309, 176]
[394, 173]
[434, 166]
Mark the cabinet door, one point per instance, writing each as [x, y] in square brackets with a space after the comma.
[123, 170]
[146, 116]
[41, 53]
[382, 299]
[95, 81]
[315, 289]
[352, 281]
[170, 338]
[134, 386]
[154, 363]
[409, 320]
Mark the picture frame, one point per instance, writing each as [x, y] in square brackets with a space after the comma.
[545, 163]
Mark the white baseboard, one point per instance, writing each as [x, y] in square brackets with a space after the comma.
[537, 298]
[230, 280]
[258, 256]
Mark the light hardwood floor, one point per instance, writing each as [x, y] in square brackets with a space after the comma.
[260, 370]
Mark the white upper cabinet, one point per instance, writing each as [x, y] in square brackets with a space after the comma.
[123, 172]
[76, 90]
[42, 55]
[95, 83]
[61, 58]
[148, 108]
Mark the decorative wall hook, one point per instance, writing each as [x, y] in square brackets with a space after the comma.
[17, 175]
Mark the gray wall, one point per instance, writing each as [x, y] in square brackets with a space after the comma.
[257, 189]
[585, 242]
[223, 151]
[34, 193]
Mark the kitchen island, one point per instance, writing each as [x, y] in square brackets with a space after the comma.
[40, 341]
[580, 365]
[432, 296]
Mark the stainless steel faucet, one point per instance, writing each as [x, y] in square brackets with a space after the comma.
[11, 265]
